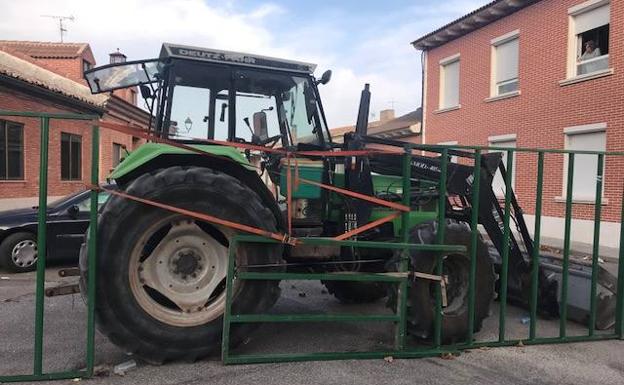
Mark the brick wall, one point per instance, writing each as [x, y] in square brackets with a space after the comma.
[29, 187]
[543, 109]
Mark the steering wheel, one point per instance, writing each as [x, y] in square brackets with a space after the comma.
[272, 141]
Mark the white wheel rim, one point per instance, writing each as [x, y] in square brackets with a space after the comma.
[182, 280]
[24, 253]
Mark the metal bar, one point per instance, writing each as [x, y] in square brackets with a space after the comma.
[539, 341]
[565, 272]
[227, 314]
[506, 246]
[92, 252]
[619, 308]
[536, 245]
[440, 236]
[596, 245]
[360, 244]
[352, 277]
[259, 318]
[474, 239]
[48, 115]
[41, 243]
[43, 377]
[330, 356]
[401, 327]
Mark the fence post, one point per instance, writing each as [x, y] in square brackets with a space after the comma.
[474, 238]
[536, 244]
[563, 309]
[596, 245]
[440, 235]
[92, 252]
[505, 256]
[619, 309]
[41, 242]
[405, 254]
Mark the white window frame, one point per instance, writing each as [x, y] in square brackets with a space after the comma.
[454, 158]
[579, 130]
[572, 64]
[443, 63]
[492, 141]
[495, 43]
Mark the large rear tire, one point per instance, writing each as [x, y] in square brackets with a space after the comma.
[456, 267]
[161, 276]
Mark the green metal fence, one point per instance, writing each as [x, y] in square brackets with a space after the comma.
[399, 278]
[38, 372]
[402, 350]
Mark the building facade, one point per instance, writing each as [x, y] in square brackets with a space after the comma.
[535, 74]
[47, 77]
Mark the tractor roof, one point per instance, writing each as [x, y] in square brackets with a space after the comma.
[233, 58]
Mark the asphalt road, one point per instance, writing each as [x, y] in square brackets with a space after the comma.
[582, 363]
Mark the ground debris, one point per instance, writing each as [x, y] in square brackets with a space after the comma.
[389, 359]
[447, 356]
[124, 367]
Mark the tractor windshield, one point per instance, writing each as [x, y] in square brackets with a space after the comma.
[252, 105]
[115, 76]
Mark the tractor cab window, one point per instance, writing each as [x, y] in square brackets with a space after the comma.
[288, 102]
[129, 74]
[256, 114]
[199, 102]
[299, 107]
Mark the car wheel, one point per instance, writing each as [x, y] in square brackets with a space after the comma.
[18, 252]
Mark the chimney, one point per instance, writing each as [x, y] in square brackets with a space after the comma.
[386, 115]
[117, 57]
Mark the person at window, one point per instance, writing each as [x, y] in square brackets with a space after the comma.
[591, 51]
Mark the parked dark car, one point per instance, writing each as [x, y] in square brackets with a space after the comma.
[67, 219]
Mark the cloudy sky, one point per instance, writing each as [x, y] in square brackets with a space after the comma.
[361, 41]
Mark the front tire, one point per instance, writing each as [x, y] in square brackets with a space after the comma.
[456, 267]
[161, 276]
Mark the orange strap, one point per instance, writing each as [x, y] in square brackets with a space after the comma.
[367, 226]
[283, 238]
[368, 198]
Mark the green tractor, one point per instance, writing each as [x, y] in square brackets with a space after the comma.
[161, 275]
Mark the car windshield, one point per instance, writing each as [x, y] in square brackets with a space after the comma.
[129, 74]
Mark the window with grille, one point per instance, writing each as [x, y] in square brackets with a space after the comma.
[11, 150]
[71, 156]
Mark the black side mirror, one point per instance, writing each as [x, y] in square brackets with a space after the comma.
[260, 126]
[325, 78]
[73, 211]
[146, 92]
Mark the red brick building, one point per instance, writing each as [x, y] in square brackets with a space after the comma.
[48, 77]
[521, 74]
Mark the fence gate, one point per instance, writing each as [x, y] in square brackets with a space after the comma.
[402, 278]
[38, 373]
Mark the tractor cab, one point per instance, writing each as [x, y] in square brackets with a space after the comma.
[205, 93]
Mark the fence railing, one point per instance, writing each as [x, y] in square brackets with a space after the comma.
[401, 278]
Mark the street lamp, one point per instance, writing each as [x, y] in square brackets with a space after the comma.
[188, 123]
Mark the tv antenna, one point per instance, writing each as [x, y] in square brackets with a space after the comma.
[61, 21]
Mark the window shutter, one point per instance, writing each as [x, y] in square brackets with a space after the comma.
[592, 19]
[451, 84]
[507, 60]
[585, 165]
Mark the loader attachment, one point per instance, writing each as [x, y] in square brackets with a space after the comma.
[491, 214]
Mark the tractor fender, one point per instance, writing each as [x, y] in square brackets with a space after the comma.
[236, 166]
